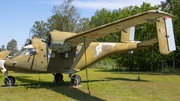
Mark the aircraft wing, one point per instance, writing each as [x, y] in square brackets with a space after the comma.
[4, 54]
[115, 26]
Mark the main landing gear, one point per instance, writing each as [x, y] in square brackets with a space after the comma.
[58, 77]
[9, 80]
[75, 79]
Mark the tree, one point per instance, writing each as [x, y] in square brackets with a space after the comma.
[83, 25]
[40, 27]
[12, 46]
[102, 17]
[2, 48]
[27, 42]
[65, 17]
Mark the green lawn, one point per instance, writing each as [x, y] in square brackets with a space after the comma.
[104, 85]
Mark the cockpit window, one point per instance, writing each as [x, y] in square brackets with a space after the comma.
[25, 51]
[20, 52]
[30, 52]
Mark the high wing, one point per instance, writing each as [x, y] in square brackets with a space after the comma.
[115, 26]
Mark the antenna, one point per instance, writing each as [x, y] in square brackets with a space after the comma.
[29, 34]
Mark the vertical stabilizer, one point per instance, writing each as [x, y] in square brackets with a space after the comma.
[165, 35]
[128, 34]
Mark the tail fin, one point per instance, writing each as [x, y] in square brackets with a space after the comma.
[128, 34]
[165, 35]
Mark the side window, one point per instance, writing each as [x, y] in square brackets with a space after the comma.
[30, 52]
[51, 55]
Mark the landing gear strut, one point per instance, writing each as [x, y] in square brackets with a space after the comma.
[9, 80]
[75, 79]
[58, 77]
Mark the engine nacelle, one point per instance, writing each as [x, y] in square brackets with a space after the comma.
[56, 40]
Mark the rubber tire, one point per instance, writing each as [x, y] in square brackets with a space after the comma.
[76, 76]
[6, 81]
[58, 77]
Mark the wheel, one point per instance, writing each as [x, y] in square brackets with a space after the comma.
[58, 77]
[77, 77]
[12, 79]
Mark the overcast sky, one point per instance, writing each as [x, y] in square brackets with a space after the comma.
[18, 16]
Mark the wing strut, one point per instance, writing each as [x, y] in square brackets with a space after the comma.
[86, 65]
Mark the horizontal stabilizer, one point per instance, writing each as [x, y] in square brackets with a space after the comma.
[148, 42]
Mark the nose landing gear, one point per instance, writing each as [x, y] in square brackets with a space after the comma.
[9, 80]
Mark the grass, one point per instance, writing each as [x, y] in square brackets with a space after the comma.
[104, 85]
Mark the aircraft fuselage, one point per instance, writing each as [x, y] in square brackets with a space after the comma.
[62, 62]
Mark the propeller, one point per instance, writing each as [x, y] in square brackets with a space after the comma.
[29, 35]
[29, 40]
[46, 40]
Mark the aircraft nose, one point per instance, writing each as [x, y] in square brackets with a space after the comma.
[9, 64]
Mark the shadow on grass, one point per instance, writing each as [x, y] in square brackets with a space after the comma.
[137, 72]
[112, 79]
[62, 88]
[125, 79]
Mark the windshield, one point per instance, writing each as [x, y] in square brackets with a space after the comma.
[20, 52]
[25, 51]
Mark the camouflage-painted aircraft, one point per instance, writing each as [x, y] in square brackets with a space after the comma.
[65, 52]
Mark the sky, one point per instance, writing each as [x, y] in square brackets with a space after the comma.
[18, 16]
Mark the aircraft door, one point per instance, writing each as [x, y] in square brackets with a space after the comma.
[29, 56]
[40, 59]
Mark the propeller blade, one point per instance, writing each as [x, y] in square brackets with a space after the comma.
[43, 35]
[47, 52]
[29, 35]
[49, 31]
[47, 47]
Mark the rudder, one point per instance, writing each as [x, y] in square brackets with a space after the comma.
[165, 35]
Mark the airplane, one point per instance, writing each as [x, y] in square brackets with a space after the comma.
[66, 52]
